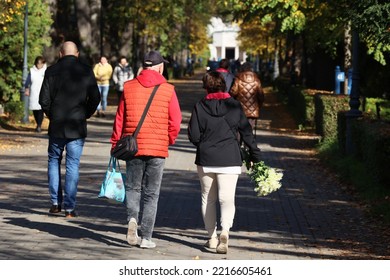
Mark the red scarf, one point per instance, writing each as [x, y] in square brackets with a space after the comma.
[222, 70]
[218, 95]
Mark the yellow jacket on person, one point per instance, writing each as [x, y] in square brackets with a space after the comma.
[103, 73]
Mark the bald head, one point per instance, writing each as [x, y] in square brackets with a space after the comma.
[69, 48]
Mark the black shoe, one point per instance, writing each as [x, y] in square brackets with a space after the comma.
[55, 209]
[38, 129]
[70, 214]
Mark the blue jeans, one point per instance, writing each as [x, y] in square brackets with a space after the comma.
[150, 171]
[74, 149]
[103, 95]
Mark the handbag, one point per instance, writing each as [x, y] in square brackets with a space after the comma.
[113, 186]
[126, 148]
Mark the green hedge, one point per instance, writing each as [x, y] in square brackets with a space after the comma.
[327, 108]
[300, 102]
[366, 164]
[341, 131]
[372, 140]
[326, 112]
[302, 105]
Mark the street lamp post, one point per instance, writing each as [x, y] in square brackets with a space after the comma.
[25, 68]
[354, 102]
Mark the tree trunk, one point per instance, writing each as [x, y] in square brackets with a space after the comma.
[88, 23]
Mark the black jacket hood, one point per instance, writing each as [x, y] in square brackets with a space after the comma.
[218, 105]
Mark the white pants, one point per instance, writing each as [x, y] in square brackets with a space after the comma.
[222, 187]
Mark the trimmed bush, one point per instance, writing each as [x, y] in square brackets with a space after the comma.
[372, 140]
[301, 104]
[327, 108]
[342, 131]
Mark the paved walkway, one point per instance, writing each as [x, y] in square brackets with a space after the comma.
[311, 217]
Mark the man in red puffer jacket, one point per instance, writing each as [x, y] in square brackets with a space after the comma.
[159, 130]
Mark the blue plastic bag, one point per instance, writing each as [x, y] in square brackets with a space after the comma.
[113, 186]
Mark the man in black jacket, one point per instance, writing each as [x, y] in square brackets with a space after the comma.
[69, 96]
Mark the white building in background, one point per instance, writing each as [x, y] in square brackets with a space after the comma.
[225, 44]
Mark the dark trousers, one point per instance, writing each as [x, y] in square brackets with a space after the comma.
[119, 95]
[38, 116]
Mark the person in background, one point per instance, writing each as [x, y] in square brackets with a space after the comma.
[33, 87]
[223, 68]
[189, 67]
[103, 72]
[213, 127]
[247, 89]
[122, 73]
[159, 130]
[237, 65]
[69, 96]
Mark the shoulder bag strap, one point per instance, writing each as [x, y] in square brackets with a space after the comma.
[234, 134]
[145, 111]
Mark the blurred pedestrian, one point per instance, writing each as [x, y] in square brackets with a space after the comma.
[215, 122]
[33, 87]
[248, 90]
[122, 73]
[159, 130]
[223, 68]
[189, 67]
[103, 72]
[69, 96]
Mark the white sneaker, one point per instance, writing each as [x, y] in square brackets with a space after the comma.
[211, 243]
[147, 244]
[222, 247]
[132, 235]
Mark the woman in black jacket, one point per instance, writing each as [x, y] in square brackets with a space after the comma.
[214, 126]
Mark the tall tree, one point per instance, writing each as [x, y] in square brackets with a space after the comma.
[77, 21]
[370, 18]
[131, 27]
[12, 42]
[323, 22]
[89, 18]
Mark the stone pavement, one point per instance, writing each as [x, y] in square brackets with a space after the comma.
[313, 216]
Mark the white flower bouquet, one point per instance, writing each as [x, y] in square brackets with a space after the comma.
[266, 179]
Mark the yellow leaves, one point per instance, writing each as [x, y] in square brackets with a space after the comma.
[255, 37]
[295, 7]
[298, 16]
[10, 9]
